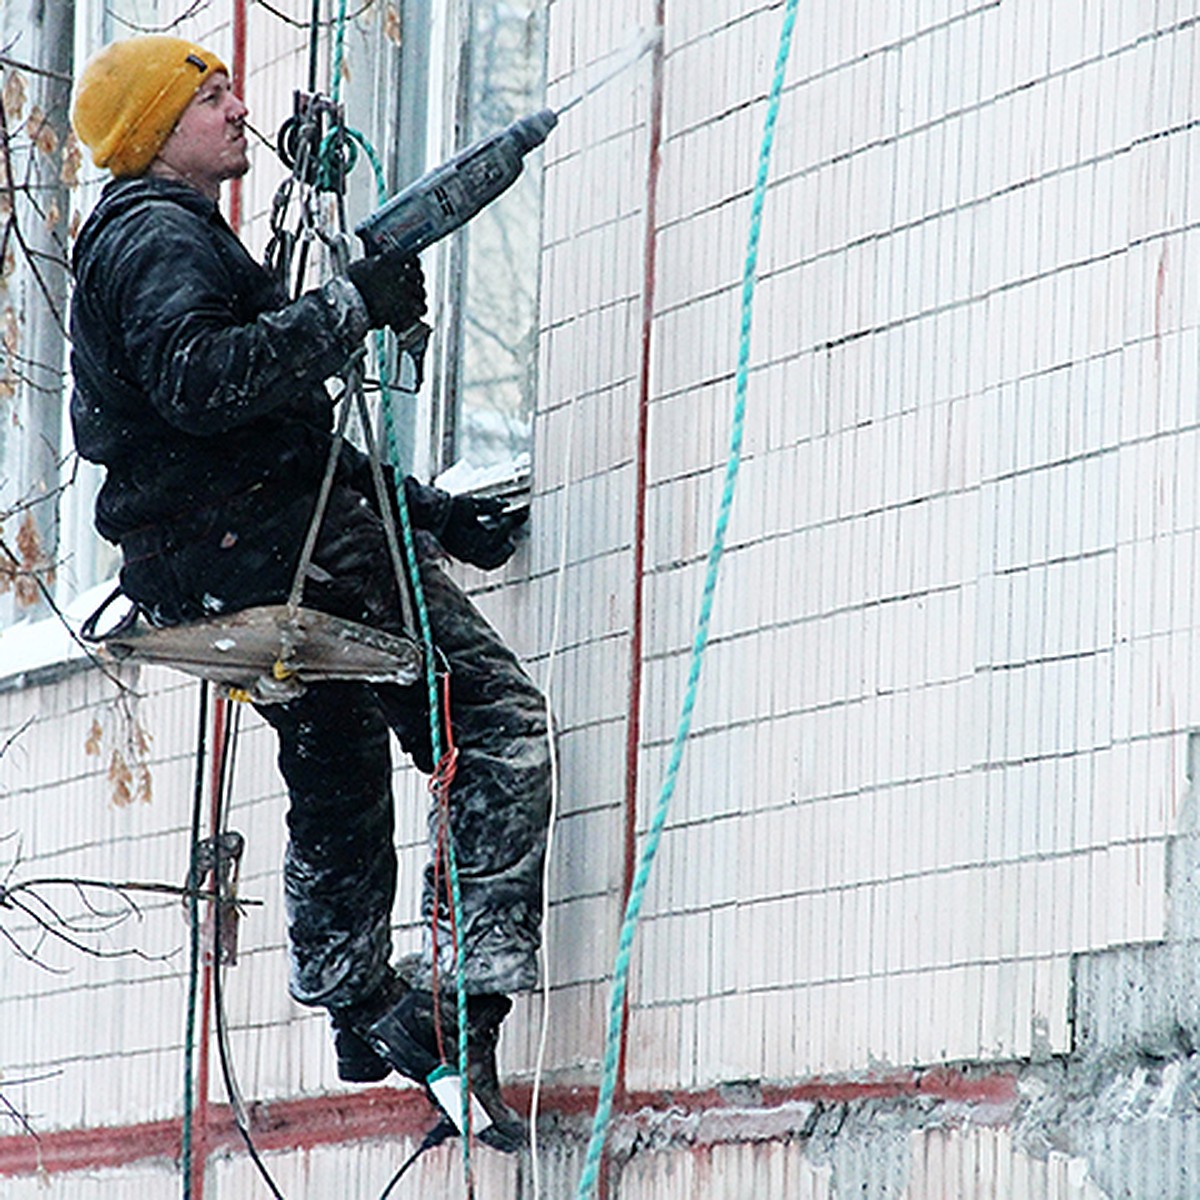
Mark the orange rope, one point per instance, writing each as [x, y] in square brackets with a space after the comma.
[439, 785]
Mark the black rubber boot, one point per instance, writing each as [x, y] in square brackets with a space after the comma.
[356, 1061]
[485, 1014]
[404, 1037]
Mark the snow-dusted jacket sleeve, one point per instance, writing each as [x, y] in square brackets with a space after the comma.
[206, 366]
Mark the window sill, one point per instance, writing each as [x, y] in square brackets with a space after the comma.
[32, 651]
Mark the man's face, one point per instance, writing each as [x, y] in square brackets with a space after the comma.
[208, 144]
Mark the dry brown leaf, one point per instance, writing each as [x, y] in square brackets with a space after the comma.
[94, 738]
[6, 191]
[139, 740]
[13, 96]
[120, 776]
[391, 24]
[41, 132]
[48, 139]
[76, 222]
[25, 591]
[10, 336]
[29, 543]
[33, 561]
[53, 216]
[72, 160]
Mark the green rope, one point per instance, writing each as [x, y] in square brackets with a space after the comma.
[339, 52]
[616, 1014]
[410, 554]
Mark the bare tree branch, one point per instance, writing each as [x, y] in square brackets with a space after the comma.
[92, 920]
[52, 604]
[297, 23]
[9, 1109]
[197, 6]
[16, 65]
[160, 889]
[16, 733]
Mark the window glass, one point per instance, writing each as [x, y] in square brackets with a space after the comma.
[40, 168]
[495, 273]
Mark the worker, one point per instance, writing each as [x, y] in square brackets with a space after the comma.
[200, 387]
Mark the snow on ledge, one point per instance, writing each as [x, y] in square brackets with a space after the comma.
[35, 645]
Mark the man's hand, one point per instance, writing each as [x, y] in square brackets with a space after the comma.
[392, 286]
[479, 530]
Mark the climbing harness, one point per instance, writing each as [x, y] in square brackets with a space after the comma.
[616, 1013]
[266, 654]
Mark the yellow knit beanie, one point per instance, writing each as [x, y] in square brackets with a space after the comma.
[130, 95]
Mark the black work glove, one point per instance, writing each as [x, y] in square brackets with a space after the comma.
[479, 530]
[392, 286]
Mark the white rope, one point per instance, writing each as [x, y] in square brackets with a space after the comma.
[555, 795]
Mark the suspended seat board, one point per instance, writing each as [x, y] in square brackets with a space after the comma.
[267, 654]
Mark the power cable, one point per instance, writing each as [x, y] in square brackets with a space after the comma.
[233, 1092]
[193, 903]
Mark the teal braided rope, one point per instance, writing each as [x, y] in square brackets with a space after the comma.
[339, 52]
[414, 573]
[616, 1012]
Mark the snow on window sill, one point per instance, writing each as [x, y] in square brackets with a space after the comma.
[501, 478]
[32, 647]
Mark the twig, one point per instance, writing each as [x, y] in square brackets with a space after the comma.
[14, 227]
[29, 956]
[195, 7]
[12, 737]
[19, 1117]
[92, 656]
[11, 1109]
[17, 65]
[164, 889]
[62, 930]
[39, 279]
[299, 24]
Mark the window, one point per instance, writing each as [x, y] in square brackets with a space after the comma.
[45, 493]
[495, 296]
[486, 277]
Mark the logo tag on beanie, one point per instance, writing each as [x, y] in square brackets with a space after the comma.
[197, 62]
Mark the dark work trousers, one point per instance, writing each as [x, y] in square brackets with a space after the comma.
[340, 869]
[334, 754]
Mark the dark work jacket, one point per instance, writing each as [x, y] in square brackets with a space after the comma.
[198, 385]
